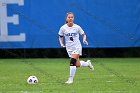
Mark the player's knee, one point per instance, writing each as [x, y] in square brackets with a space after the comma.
[73, 62]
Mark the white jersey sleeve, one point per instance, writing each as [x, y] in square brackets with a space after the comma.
[80, 30]
[61, 32]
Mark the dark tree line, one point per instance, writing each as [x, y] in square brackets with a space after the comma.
[61, 53]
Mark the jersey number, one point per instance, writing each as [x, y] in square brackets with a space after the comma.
[71, 38]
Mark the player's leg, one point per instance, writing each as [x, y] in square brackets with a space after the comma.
[78, 63]
[84, 64]
[81, 63]
[73, 61]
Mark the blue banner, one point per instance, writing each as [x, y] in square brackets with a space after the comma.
[35, 23]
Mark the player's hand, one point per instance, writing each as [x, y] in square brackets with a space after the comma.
[63, 46]
[85, 42]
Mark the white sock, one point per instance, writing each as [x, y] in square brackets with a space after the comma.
[83, 64]
[72, 72]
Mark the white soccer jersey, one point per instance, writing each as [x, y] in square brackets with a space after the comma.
[71, 35]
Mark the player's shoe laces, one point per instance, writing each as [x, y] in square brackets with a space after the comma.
[69, 82]
[90, 65]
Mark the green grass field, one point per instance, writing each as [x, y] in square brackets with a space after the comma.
[111, 75]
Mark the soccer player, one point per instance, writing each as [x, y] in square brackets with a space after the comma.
[73, 46]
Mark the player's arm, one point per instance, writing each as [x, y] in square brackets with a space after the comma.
[84, 39]
[61, 41]
[83, 35]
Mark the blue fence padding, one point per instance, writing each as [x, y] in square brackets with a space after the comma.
[107, 23]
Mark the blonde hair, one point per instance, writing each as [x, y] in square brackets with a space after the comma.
[68, 14]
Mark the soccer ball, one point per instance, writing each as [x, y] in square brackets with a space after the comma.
[32, 80]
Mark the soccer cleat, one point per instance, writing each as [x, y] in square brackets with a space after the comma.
[69, 82]
[90, 65]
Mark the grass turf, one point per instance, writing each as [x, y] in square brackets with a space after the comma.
[111, 75]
